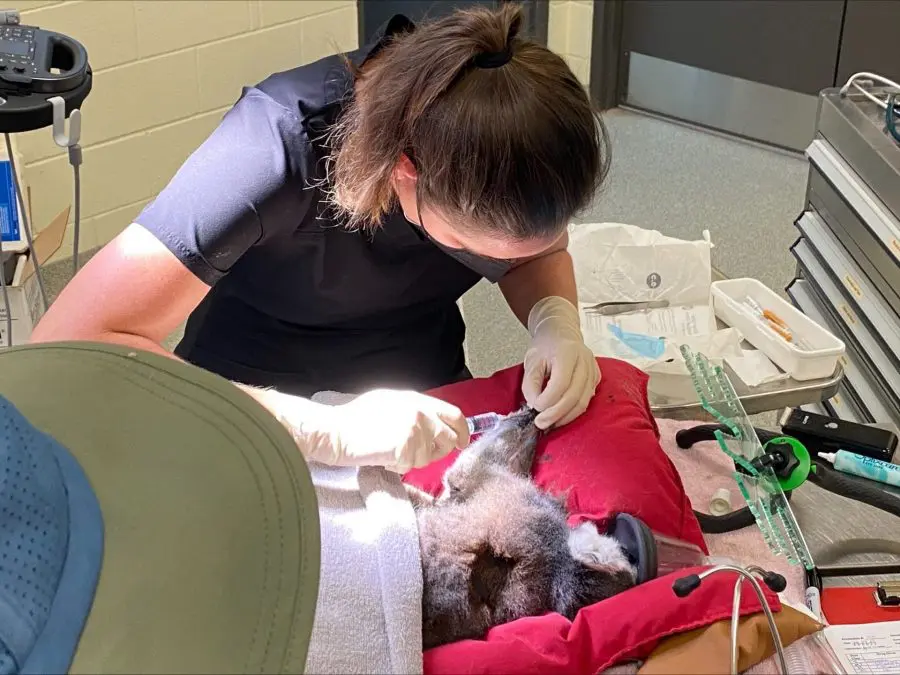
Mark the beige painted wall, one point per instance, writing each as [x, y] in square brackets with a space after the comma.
[570, 34]
[164, 73]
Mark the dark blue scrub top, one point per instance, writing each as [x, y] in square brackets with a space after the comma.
[298, 302]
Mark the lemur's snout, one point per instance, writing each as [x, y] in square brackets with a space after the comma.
[518, 426]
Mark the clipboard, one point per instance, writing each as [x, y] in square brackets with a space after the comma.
[843, 605]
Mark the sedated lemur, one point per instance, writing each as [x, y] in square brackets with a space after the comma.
[496, 548]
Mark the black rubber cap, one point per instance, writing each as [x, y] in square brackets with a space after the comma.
[684, 586]
[775, 582]
[638, 543]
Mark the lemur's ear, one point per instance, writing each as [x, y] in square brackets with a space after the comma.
[524, 409]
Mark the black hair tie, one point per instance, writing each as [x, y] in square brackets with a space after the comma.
[493, 59]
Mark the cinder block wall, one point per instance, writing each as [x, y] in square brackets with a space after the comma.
[164, 74]
[569, 34]
[165, 71]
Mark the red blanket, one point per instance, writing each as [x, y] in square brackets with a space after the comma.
[607, 461]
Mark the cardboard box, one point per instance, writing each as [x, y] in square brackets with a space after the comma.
[25, 302]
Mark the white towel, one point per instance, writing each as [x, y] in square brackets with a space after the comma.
[369, 609]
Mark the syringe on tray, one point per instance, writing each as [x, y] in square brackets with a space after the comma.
[773, 322]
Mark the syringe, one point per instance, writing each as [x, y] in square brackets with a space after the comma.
[478, 424]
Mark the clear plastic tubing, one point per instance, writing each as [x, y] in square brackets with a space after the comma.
[478, 424]
[796, 661]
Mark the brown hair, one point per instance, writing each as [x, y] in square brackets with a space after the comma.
[516, 149]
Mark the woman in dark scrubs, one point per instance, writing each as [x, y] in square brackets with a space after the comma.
[320, 238]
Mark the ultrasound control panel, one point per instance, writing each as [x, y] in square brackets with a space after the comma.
[39, 70]
[33, 60]
[17, 49]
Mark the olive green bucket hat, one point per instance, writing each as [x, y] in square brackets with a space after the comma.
[209, 551]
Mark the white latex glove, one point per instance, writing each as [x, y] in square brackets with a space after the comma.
[558, 352]
[399, 430]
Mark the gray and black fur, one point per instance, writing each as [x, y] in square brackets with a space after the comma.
[496, 548]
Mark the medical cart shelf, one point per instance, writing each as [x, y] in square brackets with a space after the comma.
[848, 253]
[764, 398]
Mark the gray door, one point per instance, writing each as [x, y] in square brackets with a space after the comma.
[374, 13]
[869, 41]
[748, 67]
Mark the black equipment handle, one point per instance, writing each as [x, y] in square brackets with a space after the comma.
[740, 518]
[825, 476]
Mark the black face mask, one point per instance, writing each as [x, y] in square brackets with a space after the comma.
[491, 269]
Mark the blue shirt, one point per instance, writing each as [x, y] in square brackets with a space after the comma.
[299, 302]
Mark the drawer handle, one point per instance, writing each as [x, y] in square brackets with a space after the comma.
[846, 311]
[850, 283]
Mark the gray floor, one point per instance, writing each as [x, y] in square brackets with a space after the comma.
[680, 181]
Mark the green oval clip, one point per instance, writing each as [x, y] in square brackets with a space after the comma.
[801, 471]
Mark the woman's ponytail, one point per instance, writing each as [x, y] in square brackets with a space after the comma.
[502, 134]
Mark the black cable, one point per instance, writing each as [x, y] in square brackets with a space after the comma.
[730, 522]
[685, 438]
[857, 489]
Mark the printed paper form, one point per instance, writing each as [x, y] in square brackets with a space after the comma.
[670, 322]
[867, 648]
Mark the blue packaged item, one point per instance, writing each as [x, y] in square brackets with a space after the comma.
[9, 212]
[645, 345]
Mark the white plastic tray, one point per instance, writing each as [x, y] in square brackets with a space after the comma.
[820, 357]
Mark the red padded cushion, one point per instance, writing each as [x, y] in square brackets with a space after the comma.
[607, 461]
[624, 627]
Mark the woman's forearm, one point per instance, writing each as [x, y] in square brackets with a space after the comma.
[531, 281]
